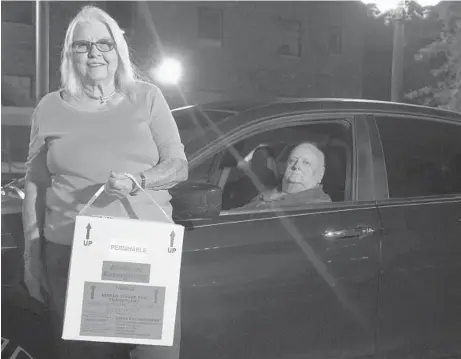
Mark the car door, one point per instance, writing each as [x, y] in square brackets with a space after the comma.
[290, 283]
[420, 294]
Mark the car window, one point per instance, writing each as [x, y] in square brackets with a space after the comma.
[257, 163]
[193, 122]
[201, 172]
[423, 157]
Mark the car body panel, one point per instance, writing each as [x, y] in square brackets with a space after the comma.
[419, 297]
[420, 294]
[26, 326]
[12, 249]
[268, 285]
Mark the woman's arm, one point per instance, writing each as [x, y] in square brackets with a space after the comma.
[33, 217]
[172, 167]
[36, 182]
[166, 174]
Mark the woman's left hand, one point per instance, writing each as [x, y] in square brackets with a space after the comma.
[118, 184]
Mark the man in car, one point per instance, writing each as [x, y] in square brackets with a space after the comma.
[301, 182]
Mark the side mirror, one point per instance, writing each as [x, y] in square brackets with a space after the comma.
[12, 197]
[13, 189]
[195, 201]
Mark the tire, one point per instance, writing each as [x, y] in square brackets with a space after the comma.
[25, 334]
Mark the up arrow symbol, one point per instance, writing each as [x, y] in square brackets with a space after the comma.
[88, 229]
[172, 235]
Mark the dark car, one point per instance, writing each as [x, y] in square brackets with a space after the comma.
[374, 273]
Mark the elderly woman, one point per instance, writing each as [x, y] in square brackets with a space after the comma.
[301, 182]
[103, 123]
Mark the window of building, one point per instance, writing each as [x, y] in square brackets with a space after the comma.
[290, 38]
[423, 157]
[335, 40]
[17, 91]
[210, 26]
[18, 11]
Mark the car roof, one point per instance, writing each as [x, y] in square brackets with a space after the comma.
[243, 113]
[334, 104]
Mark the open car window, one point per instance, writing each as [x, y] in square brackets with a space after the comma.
[258, 163]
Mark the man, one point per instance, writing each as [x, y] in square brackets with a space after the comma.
[301, 181]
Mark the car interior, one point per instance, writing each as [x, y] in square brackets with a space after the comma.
[249, 167]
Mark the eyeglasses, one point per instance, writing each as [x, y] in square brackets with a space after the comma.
[82, 46]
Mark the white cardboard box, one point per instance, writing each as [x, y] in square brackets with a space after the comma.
[123, 281]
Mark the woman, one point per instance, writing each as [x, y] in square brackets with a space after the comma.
[103, 123]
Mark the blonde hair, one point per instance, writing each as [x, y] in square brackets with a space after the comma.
[126, 75]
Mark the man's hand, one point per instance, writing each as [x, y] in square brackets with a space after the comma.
[273, 195]
[118, 184]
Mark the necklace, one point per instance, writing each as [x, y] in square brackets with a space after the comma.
[102, 99]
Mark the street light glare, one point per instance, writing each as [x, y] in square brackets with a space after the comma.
[387, 5]
[169, 72]
[428, 2]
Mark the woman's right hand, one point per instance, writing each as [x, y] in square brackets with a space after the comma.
[35, 277]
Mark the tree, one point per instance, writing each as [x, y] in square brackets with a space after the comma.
[398, 13]
[444, 54]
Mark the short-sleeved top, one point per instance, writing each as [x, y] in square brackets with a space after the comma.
[77, 149]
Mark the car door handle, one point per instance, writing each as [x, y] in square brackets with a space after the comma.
[359, 231]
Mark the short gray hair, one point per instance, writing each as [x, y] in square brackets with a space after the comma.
[320, 170]
[125, 76]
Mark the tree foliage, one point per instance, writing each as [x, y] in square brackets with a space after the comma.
[445, 56]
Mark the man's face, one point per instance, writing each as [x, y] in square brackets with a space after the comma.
[302, 165]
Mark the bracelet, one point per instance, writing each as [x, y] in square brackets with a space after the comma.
[135, 189]
[143, 180]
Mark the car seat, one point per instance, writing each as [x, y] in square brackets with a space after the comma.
[334, 179]
[260, 175]
[263, 166]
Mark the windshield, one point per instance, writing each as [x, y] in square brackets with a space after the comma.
[192, 123]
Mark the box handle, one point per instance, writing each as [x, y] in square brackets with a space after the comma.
[101, 189]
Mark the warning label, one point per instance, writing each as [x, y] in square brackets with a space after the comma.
[122, 310]
[125, 272]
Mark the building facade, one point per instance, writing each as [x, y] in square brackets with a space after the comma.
[252, 49]
[228, 50]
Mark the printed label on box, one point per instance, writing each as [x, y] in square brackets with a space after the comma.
[125, 272]
[122, 310]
